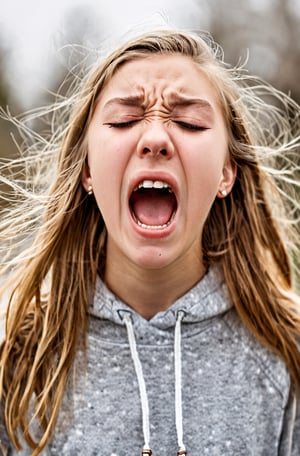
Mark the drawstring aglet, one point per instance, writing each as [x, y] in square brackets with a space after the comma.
[181, 452]
[147, 452]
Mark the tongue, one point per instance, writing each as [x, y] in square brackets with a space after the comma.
[153, 207]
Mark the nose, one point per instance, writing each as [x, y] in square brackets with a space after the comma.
[155, 142]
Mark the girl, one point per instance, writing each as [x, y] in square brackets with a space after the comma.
[153, 310]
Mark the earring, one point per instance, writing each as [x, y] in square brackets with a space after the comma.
[90, 190]
[224, 192]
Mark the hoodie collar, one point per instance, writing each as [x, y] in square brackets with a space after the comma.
[207, 299]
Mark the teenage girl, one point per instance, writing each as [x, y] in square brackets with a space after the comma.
[149, 264]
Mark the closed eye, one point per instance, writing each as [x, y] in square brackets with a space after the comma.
[128, 123]
[189, 126]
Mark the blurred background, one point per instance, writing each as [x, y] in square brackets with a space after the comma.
[41, 41]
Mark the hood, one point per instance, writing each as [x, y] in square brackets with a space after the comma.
[207, 299]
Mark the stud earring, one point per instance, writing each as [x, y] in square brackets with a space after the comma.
[224, 192]
[90, 190]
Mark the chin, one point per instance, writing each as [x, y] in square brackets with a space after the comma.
[153, 259]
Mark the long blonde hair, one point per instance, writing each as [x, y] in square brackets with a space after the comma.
[53, 238]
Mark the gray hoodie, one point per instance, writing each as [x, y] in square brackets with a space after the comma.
[233, 394]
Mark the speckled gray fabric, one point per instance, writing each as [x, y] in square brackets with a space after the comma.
[236, 394]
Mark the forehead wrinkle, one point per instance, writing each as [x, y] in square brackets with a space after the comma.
[170, 101]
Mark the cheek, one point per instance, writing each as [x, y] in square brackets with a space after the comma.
[103, 159]
[206, 166]
[204, 173]
[107, 162]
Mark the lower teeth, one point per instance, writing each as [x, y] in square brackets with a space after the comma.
[153, 227]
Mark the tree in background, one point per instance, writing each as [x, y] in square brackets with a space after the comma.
[269, 30]
[7, 130]
[76, 47]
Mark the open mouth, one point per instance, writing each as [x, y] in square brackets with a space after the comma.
[153, 204]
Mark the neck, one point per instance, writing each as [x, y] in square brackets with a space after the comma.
[150, 291]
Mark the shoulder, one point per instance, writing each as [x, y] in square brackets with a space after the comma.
[264, 360]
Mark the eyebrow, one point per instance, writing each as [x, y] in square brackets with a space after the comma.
[181, 101]
[132, 100]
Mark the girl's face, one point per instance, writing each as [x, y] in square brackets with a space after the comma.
[157, 159]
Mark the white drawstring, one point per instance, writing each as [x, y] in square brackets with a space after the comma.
[178, 383]
[141, 382]
[142, 385]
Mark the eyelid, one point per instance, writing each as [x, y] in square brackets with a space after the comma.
[121, 124]
[190, 125]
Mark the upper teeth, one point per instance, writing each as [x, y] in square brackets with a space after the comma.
[153, 184]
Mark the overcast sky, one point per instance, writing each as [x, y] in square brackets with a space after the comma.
[33, 29]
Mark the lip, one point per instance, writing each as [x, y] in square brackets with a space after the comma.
[154, 176]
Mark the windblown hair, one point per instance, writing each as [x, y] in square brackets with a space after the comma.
[53, 238]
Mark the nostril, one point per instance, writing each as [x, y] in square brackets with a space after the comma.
[148, 150]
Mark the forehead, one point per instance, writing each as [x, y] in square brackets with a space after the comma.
[159, 76]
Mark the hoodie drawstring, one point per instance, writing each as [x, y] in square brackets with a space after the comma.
[142, 386]
[178, 384]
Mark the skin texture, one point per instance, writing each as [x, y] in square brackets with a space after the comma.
[158, 118]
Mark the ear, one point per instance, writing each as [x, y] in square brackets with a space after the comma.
[227, 179]
[86, 178]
